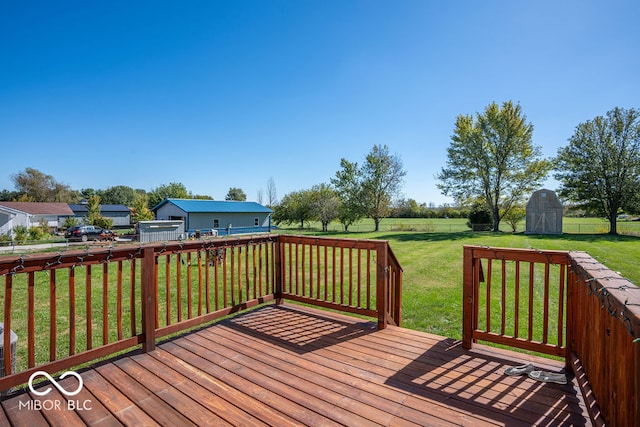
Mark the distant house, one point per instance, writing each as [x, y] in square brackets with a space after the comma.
[32, 214]
[226, 217]
[120, 214]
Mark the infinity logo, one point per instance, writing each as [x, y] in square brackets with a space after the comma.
[55, 383]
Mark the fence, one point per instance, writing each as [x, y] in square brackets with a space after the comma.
[78, 306]
[441, 225]
[565, 304]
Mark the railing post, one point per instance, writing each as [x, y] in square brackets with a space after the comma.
[279, 267]
[382, 284]
[467, 298]
[149, 303]
[570, 313]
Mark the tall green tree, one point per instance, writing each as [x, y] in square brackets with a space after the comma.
[39, 187]
[382, 176]
[347, 184]
[492, 158]
[94, 213]
[173, 190]
[369, 190]
[139, 208]
[325, 204]
[236, 194]
[118, 195]
[295, 207]
[600, 168]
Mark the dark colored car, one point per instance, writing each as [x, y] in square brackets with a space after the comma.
[84, 233]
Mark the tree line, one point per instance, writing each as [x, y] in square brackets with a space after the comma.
[32, 185]
[493, 162]
[492, 167]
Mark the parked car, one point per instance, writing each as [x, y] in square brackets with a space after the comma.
[84, 233]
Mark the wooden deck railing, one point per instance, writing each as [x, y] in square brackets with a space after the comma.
[358, 276]
[565, 304]
[78, 306]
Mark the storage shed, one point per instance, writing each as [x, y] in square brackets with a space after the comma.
[544, 213]
[159, 231]
[225, 217]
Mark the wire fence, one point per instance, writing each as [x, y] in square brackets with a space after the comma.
[459, 226]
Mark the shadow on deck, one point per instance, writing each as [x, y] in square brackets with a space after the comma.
[292, 365]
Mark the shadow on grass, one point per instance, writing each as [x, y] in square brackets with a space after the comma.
[412, 236]
[405, 236]
[585, 237]
[489, 235]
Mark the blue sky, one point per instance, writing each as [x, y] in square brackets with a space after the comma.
[220, 94]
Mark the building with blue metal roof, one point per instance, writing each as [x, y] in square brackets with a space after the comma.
[225, 217]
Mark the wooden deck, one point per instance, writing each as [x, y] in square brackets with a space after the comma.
[291, 365]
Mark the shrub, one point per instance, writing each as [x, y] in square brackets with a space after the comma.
[35, 233]
[20, 233]
[70, 221]
[103, 222]
[480, 218]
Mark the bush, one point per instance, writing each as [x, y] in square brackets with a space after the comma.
[103, 222]
[480, 218]
[35, 233]
[20, 233]
[70, 221]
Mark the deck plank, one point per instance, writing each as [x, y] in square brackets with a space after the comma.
[142, 397]
[291, 365]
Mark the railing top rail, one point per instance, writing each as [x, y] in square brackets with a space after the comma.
[332, 241]
[95, 255]
[617, 294]
[394, 259]
[517, 254]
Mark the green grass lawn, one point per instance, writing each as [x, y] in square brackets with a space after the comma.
[453, 225]
[432, 263]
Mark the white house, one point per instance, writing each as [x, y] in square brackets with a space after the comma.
[32, 214]
[226, 217]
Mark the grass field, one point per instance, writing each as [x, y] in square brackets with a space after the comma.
[454, 225]
[432, 262]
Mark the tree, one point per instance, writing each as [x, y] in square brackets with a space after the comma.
[93, 210]
[493, 158]
[118, 195]
[369, 190]
[325, 203]
[9, 196]
[347, 185]
[236, 194]
[295, 207]
[516, 214]
[272, 196]
[381, 179]
[600, 168]
[139, 209]
[39, 187]
[173, 190]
